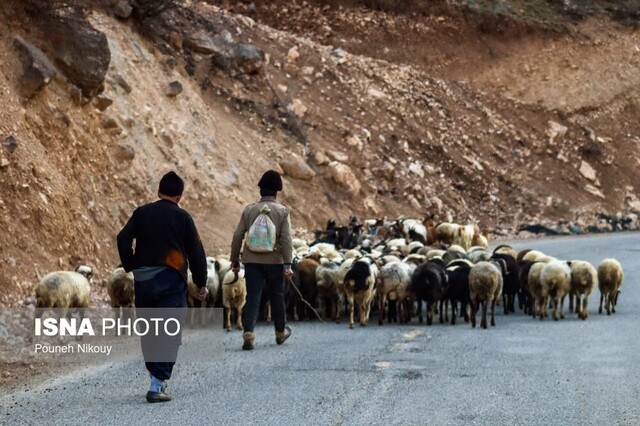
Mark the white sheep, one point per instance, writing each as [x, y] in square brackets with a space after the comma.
[555, 280]
[610, 278]
[532, 255]
[213, 285]
[65, 290]
[329, 294]
[538, 293]
[464, 236]
[395, 279]
[583, 280]
[234, 296]
[121, 290]
[296, 243]
[485, 285]
[446, 232]
[353, 254]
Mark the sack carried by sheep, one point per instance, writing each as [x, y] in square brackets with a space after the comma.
[262, 233]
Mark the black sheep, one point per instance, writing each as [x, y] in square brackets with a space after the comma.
[458, 290]
[429, 283]
[359, 273]
[524, 297]
[511, 281]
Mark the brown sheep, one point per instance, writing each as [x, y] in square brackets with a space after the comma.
[307, 283]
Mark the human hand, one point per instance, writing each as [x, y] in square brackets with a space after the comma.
[235, 267]
[203, 293]
[288, 273]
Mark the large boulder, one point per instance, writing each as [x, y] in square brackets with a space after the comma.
[81, 52]
[38, 70]
[344, 176]
[297, 168]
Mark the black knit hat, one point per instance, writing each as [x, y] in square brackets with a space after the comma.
[271, 180]
[171, 185]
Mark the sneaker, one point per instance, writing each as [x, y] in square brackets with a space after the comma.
[158, 396]
[248, 337]
[281, 336]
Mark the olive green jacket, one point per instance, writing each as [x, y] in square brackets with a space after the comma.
[279, 214]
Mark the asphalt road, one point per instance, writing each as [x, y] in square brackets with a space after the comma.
[522, 371]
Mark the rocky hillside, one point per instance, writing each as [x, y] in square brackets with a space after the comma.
[465, 113]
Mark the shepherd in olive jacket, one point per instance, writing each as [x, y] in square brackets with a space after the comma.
[262, 268]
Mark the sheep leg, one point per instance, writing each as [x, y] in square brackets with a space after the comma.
[239, 318]
[542, 307]
[608, 303]
[583, 309]
[351, 303]
[227, 318]
[369, 307]
[419, 311]
[577, 307]
[362, 312]
[474, 307]
[483, 320]
[520, 302]
[454, 307]
[442, 308]
[382, 301]
[493, 313]
[464, 307]
[554, 303]
[561, 307]
[505, 300]
[268, 312]
[336, 309]
[601, 299]
[430, 313]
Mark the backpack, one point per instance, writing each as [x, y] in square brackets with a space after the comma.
[262, 233]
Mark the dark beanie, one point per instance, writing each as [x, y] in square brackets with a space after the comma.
[171, 185]
[271, 180]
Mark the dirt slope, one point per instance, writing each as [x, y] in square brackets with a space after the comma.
[419, 115]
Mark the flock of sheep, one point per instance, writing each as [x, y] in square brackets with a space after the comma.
[401, 264]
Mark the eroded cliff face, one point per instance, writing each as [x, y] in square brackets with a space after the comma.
[366, 112]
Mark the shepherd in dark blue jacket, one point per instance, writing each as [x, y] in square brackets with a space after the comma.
[166, 244]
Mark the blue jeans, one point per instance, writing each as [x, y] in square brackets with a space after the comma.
[165, 290]
[256, 276]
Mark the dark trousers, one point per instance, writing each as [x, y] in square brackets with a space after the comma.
[257, 275]
[165, 290]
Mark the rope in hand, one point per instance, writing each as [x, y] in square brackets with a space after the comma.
[303, 299]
